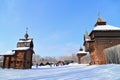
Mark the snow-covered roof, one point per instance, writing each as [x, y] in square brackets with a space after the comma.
[8, 53]
[87, 39]
[29, 40]
[105, 28]
[22, 48]
[82, 52]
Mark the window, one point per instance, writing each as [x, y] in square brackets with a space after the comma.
[12, 61]
[19, 62]
[28, 62]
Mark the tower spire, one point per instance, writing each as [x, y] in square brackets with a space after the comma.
[81, 49]
[98, 14]
[100, 21]
[26, 35]
[26, 29]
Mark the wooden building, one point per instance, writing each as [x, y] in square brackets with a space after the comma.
[80, 54]
[21, 57]
[101, 37]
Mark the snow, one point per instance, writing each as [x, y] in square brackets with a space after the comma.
[22, 48]
[11, 52]
[29, 40]
[8, 53]
[106, 27]
[69, 72]
[82, 52]
[87, 39]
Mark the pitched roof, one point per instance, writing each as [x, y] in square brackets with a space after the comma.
[81, 52]
[24, 40]
[22, 48]
[87, 37]
[8, 53]
[100, 20]
[101, 25]
[105, 28]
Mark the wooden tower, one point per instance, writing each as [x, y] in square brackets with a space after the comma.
[21, 57]
[80, 54]
[101, 37]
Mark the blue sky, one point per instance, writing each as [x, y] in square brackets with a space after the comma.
[57, 26]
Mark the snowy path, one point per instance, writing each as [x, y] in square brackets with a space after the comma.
[70, 72]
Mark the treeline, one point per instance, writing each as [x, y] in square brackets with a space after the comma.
[37, 59]
[86, 59]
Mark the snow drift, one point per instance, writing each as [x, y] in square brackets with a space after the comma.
[69, 72]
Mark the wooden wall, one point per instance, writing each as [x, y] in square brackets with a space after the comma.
[21, 60]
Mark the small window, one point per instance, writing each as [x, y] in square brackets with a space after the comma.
[20, 61]
[28, 62]
[17, 62]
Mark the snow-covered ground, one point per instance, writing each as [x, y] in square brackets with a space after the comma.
[69, 72]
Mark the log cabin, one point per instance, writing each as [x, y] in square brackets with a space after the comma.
[21, 57]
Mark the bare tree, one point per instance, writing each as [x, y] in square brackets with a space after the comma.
[1, 61]
[112, 55]
[85, 59]
[71, 57]
[37, 59]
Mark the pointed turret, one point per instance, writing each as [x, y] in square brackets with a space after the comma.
[25, 42]
[100, 21]
[81, 49]
[80, 54]
[26, 35]
[86, 37]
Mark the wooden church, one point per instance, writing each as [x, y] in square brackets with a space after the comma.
[101, 37]
[21, 57]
